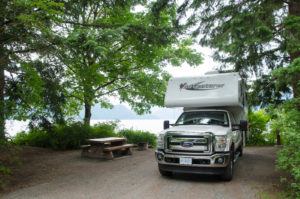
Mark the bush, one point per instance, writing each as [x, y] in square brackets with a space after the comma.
[72, 135]
[68, 136]
[287, 120]
[138, 136]
[36, 137]
[102, 130]
[258, 125]
[62, 137]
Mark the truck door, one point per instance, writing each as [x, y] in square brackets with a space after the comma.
[237, 134]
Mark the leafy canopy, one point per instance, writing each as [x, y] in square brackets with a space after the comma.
[24, 26]
[107, 50]
[253, 37]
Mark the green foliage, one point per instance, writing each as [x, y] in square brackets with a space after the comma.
[5, 170]
[72, 135]
[258, 125]
[287, 120]
[85, 52]
[24, 29]
[66, 136]
[138, 136]
[102, 130]
[266, 91]
[251, 36]
[114, 51]
[241, 31]
[286, 76]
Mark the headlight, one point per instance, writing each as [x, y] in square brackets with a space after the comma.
[160, 141]
[220, 143]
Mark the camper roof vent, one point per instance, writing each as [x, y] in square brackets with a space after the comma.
[213, 72]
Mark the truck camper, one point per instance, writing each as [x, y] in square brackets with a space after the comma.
[209, 136]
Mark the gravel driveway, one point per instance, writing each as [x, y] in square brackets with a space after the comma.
[67, 175]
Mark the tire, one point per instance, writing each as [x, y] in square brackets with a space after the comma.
[165, 173]
[241, 150]
[227, 176]
[243, 144]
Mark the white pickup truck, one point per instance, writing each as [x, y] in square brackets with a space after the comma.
[210, 134]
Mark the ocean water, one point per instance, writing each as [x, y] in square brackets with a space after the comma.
[153, 126]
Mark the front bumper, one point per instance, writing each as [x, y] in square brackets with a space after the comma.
[192, 170]
[205, 164]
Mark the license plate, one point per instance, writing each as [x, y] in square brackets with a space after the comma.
[186, 161]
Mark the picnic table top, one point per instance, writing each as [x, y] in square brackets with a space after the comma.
[104, 140]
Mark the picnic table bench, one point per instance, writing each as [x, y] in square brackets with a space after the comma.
[106, 148]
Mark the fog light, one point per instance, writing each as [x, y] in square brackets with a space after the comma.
[160, 157]
[220, 160]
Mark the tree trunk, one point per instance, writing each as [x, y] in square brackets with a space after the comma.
[2, 118]
[294, 9]
[88, 113]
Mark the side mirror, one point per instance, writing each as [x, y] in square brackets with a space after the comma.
[244, 125]
[166, 124]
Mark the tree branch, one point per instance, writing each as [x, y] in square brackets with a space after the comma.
[98, 25]
[109, 92]
[73, 96]
[106, 84]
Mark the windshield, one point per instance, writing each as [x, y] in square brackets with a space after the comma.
[203, 118]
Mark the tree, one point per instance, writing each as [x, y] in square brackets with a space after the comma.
[23, 26]
[107, 49]
[253, 36]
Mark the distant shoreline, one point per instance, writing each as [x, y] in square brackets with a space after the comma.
[152, 125]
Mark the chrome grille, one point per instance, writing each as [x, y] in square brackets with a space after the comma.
[181, 143]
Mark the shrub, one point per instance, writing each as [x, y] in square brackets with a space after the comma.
[72, 135]
[258, 124]
[62, 137]
[102, 130]
[36, 137]
[21, 138]
[138, 136]
[288, 122]
[68, 136]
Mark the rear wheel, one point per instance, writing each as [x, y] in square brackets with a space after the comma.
[227, 176]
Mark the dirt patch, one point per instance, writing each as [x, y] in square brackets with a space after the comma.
[27, 164]
[64, 174]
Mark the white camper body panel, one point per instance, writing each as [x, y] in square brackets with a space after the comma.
[213, 90]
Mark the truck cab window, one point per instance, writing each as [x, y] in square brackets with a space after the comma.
[203, 118]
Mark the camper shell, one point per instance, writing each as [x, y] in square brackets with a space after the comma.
[210, 134]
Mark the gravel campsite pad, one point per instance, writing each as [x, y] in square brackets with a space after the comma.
[65, 174]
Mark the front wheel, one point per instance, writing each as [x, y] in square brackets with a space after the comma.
[227, 176]
[241, 150]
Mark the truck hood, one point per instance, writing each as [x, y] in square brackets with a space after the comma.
[216, 130]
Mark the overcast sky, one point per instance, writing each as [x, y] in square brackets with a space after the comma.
[185, 70]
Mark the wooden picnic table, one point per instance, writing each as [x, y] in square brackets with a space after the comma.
[100, 141]
[106, 147]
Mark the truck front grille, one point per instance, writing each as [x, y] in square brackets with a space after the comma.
[188, 144]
